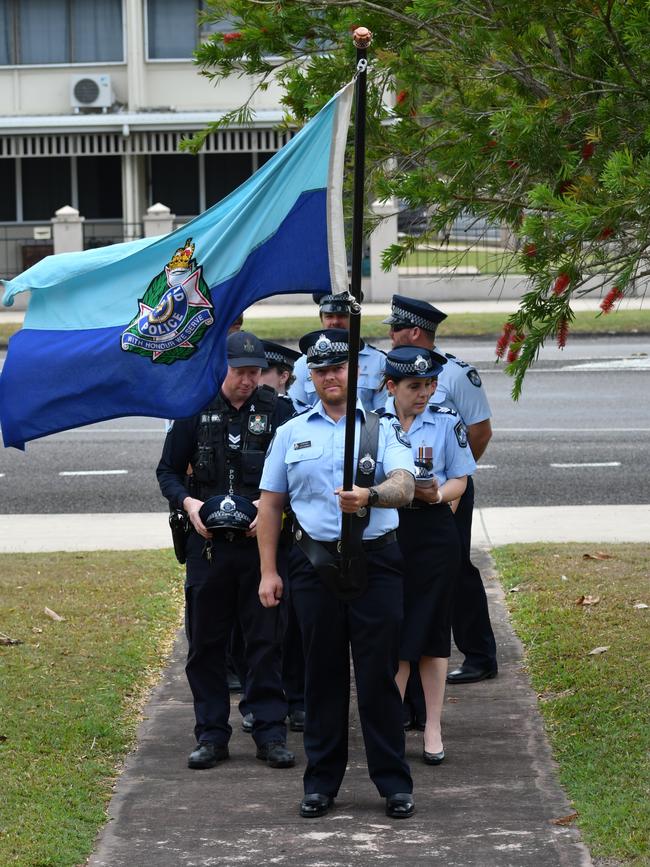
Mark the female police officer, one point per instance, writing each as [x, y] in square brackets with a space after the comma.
[305, 461]
[427, 532]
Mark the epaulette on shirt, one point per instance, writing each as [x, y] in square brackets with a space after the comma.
[434, 407]
[376, 348]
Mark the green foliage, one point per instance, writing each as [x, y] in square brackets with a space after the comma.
[534, 115]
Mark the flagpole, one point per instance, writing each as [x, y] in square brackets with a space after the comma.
[362, 38]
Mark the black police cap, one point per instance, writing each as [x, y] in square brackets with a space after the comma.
[227, 512]
[413, 313]
[413, 362]
[277, 354]
[326, 347]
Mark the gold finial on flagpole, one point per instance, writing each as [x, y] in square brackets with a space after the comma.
[362, 37]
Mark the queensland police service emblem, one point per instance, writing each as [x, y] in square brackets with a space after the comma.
[367, 465]
[257, 423]
[174, 313]
[420, 364]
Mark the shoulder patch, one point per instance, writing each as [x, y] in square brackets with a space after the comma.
[436, 407]
[461, 434]
[474, 378]
[401, 434]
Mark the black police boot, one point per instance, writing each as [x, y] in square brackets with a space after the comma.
[297, 720]
[400, 806]
[276, 755]
[207, 755]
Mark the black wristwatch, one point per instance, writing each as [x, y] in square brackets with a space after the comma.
[373, 496]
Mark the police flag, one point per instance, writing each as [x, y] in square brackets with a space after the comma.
[139, 328]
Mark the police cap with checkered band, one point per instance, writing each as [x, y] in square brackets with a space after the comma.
[277, 354]
[413, 362]
[413, 313]
[326, 347]
[227, 512]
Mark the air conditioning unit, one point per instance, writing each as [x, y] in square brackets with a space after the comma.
[91, 91]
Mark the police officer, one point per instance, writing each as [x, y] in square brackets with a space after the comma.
[427, 533]
[225, 446]
[334, 311]
[281, 360]
[414, 323]
[305, 462]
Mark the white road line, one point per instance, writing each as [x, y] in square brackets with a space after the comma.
[603, 464]
[80, 430]
[486, 466]
[94, 473]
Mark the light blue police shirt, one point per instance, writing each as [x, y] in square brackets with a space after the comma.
[305, 459]
[460, 388]
[372, 362]
[443, 430]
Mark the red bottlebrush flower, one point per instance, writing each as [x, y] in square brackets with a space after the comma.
[610, 299]
[562, 333]
[588, 149]
[513, 164]
[231, 37]
[513, 355]
[401, 96]
[530, 250]
[489, 145]
[564, 187]
[606, 233]
[561, 282]
[502, 345]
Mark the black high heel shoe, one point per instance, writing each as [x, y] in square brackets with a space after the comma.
[433, 758]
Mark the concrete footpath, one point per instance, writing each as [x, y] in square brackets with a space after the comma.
[494, 802]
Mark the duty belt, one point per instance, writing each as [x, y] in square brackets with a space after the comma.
[303, 539]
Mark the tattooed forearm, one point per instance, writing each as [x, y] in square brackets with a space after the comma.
[398, 490]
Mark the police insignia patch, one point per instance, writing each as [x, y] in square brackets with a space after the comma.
[175, 311]
[474, 378]
[461, 434]
[257, 423]
[401, 435]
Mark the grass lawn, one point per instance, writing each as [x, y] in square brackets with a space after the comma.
[72, 691]
[596, 706]
[456, 325]
[481, 258]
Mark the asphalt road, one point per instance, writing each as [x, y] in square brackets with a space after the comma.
[579, 435]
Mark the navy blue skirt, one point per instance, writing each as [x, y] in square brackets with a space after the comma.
[430, 545]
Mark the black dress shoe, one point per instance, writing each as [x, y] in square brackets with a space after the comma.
[433, 758]
[400, 806]
[313, 806]
[276, 755]
[247, 722]
[470, 674]
[297, 721]
[207, 755]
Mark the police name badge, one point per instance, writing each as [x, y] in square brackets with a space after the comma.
[258, 423]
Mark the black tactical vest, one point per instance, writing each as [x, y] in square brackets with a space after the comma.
[224, 465]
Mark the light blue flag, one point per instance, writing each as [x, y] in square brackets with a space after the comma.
[139, 328]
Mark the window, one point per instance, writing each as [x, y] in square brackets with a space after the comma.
[8, 187]
[46, 186]
[224, 173]
[60, 31]
[99, 180]
[173, 29]
[175, 183]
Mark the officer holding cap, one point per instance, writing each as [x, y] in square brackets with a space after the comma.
[225, 445]
[414, 323]
[427, 533]
[334, 312]
[305, 463]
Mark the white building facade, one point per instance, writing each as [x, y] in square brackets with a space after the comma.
[95, 96]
